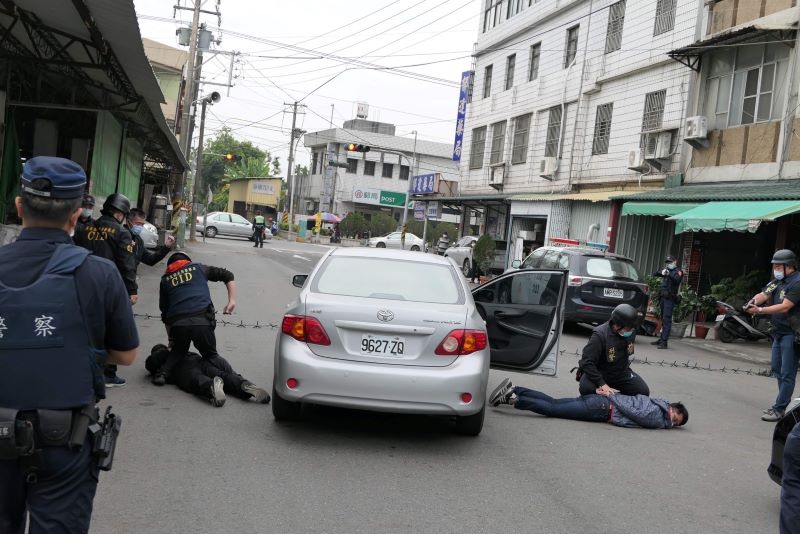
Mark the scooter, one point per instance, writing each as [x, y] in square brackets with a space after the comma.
[734, 324]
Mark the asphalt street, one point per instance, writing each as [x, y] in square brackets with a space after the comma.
[183, 466]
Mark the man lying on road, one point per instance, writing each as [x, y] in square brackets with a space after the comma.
[633, 411]
[208, 379]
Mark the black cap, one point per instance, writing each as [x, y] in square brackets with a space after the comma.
[177, 257]
[669, 259]
[624, 315]
[88, 201]
[51, 177]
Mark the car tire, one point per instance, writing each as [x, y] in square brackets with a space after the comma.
[380, 244]
[465, 268]
[725, 336]
[470, 425]
[414, 248]
[211, 232]
[284, 410]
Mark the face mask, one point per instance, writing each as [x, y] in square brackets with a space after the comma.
[671, 266]
[136, 230]
[626, 334]
[778, 275]
[86, 213]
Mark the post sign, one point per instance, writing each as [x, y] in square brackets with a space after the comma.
[377, 197]
[466, 82]
[424, 184]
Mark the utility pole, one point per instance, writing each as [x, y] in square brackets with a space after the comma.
[186, 137]
[212, 99]
[290, 171]
[408, 198]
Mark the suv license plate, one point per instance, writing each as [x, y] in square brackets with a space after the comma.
[382, 345]
[613, 293]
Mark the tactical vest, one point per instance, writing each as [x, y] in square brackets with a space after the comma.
[260, 220]
[785, 322]
[187, 292]
[46, 358]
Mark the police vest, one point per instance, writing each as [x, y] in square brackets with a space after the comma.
[616, 351]
[46, 358]
[187, 292]
[785, 322]
[260, 220]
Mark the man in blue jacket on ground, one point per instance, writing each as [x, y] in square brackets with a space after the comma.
[632, 411]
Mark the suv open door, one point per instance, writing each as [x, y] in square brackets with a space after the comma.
[524, 311]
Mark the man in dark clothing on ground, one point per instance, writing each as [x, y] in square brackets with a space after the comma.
[136, 220]
[668, 298]
[85, 222]
[632, 411]
[210, 381]
[109, 239]
[790, 484]
[187, 310]
[259, 225]
[605, 364]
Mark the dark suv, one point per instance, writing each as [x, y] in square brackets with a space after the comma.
[598, 281]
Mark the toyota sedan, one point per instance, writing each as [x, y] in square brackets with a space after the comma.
[384, 331]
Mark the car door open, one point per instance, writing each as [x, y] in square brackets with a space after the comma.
[523, 311]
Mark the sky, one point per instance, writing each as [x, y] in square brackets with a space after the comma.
[433, 38]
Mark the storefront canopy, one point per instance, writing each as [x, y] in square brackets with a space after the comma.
[658, 209]
[737, 216]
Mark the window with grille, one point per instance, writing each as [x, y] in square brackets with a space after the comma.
[571, 49]
[498, 142]
[533, 63]
[616, 20]
[653, 110]
[519, 148]
[388, 169]
[602, 129]
[487, 81]
[492, 13]
[511, 61]
[369, 168]
[514, 7]
[404, 170]
[477, 148]
[553, 132]
[352, 166]
[665, 16]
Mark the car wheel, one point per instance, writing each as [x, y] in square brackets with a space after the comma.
[415, 248]
[470, 425]
[466, 268]
[282, 409]
[726, 336]
[211, 232]
[380, 244]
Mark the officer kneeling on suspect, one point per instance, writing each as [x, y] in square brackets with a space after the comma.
[208, 380]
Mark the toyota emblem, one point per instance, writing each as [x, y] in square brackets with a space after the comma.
[385, 315]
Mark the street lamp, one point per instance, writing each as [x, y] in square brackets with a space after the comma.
[212, 99]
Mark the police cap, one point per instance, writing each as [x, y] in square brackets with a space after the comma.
[88, 201]
[51, 177]
[624, 315]
[669, 259]
[784, 257]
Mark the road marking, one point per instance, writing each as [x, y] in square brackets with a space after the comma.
[300, 257]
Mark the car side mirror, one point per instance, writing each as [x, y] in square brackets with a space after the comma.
[516, 263]
[299, 280]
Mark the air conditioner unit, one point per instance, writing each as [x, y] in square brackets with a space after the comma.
[635, 161]
[547, 167]
[657, 145]
[697, 131]
[497, 175]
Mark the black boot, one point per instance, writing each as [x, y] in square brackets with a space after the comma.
[656, 342]
[662, 345]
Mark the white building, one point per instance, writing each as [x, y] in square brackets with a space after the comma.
[372, 181]
[573, 102]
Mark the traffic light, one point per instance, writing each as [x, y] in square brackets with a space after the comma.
[352, 147]
[232, 157]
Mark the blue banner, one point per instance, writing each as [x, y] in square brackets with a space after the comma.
[466, 81]
[424, 184]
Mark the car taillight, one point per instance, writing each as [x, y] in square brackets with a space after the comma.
[462, 342]
[306, 329]
[575, 281]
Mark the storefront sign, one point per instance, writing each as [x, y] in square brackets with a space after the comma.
[262, 187]
[434, 210]
[377, 197]
[424, 184]
[419, 210]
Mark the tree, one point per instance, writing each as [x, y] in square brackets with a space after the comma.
[382, 224]
[353, 224]
[214, 164]
[249, 168]
[483, 253]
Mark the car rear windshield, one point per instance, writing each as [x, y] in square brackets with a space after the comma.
[612, 268]
[391, 279]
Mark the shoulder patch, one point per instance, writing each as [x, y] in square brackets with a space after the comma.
[680, 273]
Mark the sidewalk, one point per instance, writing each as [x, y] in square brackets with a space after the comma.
[756, 352]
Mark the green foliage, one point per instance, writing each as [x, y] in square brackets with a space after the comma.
[738, 291]
[285, 227]
[654, 282]
[708, 305]
[382, 224]
[416, 228]
[325, 231]
[214, 164]
[250, 168]
[484, 253]
[687, 306]
[353, 224]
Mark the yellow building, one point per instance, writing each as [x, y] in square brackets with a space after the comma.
[249, 195]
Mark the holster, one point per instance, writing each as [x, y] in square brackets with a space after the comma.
[578, 373]
[104, 436]
[16, 435]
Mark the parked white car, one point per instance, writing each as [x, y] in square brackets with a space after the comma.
[224, 223]
[149, 235]
[393, 241]
[461, 253]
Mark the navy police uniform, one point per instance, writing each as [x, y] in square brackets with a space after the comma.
[790, 485]
[142, 255]
[110, 240]
[606, 360]
[670, 288]
[56, 304]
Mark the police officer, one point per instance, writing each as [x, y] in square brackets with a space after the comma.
[111, 240]
[136, 220]
[604, 367]
[259, 225]
[57, 306]
[669, 297]
[790, 484]
[778, 300]
[85, 222]
[187, 309]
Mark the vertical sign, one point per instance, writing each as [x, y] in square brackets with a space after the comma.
[466, 81]
[419, 210]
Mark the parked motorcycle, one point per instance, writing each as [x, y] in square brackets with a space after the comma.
[734, 324]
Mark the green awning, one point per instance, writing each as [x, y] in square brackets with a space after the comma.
[738, 216]
[661, 209]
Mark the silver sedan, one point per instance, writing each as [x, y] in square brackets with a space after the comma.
[393, 240]
[381, 330]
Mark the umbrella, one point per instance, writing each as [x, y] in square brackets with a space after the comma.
[329, 217]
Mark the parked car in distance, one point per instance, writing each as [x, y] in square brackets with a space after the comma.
[225, 223]
[598, 281]
[393, 241]
[149, 235]
[461, 253]
[782, 428]
[388, 331]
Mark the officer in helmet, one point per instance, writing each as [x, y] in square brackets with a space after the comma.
[604, 367]
[111, 240]
[669, 297]
[58, 305]
[85, 222]
[778, 300]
